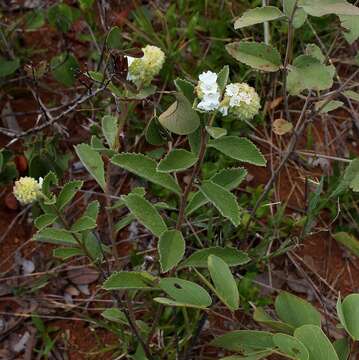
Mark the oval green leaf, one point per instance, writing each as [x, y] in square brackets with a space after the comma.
[171, 248]
[180, 118]
[185, 292]
[224, 283]
[177, 160]
[256, 55]
[240, 149]
[145, 213]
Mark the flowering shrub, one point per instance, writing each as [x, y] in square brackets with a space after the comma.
[162, 168]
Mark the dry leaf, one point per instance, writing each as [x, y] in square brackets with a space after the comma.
[82, 276]
[274, 103]
[282, 126]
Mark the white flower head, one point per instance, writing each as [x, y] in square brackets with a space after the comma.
[208, 91]
[27, 190]
[141, 71]
[209, 102]
[240, 99]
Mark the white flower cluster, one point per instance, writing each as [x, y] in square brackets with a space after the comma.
[208, 91]
[27, 190]
[141, 71]
[239, 99]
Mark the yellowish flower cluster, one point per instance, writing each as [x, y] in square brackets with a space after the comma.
[27, 190]
[141, 71]
[241, 100]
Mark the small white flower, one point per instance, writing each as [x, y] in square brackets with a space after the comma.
[27, 190]
[208, 91]
[209, 102]
[240, 99]
[232, 89]
[224, 110]
[208, 78]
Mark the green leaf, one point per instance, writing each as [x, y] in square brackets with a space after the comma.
[35, 19]
[114, 38]
[308, 73]
[291, 346]
[326, 7]
[329, 106]
[224, 201]
[110, 129]
[317, 344]
[348, 313]
[227, 178]
[351, 24]
[232, 256]
[186, 292]
[295, 311]
[67, 193]
[186, 88]
[300, 16]
[262, 317]
[342, 348]
[256, 55]
[176, 160]
[224, 283]
[352, 95]
[86, 5]
[67, 253]
[49, 180]
[351, 175]
[83, 223]
[315, 51]
[62, 16]
[92, 209]
[93, 162]
[258, 16]
[8, 67]
[45, 220]
[129, 280]
[145, 167]
[93, 245]
[222, 78]
[145, 213]
[115, 315]
[122, 223]
[194, 140]
[252, 356]
[55, 236]
[171, 248]
[245, 339]
[216, 132]
[64, 68]
[348, 240]
[180, 118]
[154, 134]
[239, 148]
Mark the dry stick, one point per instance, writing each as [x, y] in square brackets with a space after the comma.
[300, 127]
[54, 119]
